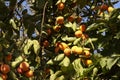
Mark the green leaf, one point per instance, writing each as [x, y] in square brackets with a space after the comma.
[78, 67]
[76, 41]
[64, 37]
[36, 46]
[57, 74]
[103, 62]
[17, 61]
[114, 14]
[94, 26]
[117, 35]
[63, 1]
[86, 71]
[74, 26]
[95, 70]
[111, 61]
[37, 59]
[50, 62]
[1, 78]
[71, 39]
[118, 17]
[65, 62]
[28, 46]
[1, 24]
[62, 77]
[59, 57]
[69, 24]
[90, 40]
[13, 24]
[102, 30]
[118, 63]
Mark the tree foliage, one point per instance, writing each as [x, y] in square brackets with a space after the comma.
[59, 40]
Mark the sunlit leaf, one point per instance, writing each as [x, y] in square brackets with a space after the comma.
[71, 39]
[62, 77]
[118, 63]
[69, 24]
[74, 26]
[76, 41]
[111, 61]
[64, 37]
[50, 62]
[90, 40]
[55, 75]
[28, 46]
[117, 35]
[78, 67]
[94, 26]
[59, 57]
[36, 46]
[95, 70]
[102, 30]
[63, 1]
[17, 61]
[65, 62]
[12, 22]
[103, 62]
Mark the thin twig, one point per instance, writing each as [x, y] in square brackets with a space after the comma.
[41, 28]
[42, 22]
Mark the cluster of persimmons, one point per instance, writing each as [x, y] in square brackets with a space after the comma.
[23, 68]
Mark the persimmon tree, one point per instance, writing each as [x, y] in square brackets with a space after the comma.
[59, 40]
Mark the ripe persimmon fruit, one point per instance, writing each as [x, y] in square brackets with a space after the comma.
[82, 27]
[49, 31]
[71, 18]
[84, 36]
[19, 70]
[56, 28]
[57, 49]
[60, 20]
[87, 53]
[63, 46]
[88, 62]
[79, 50]
[29, 73]
[60, 6]
[110, 9]
[73, 49]
[103, 7]
[78, 33]
[67, 51]
[46, 43]
[5, 68]
[24, 66]
[8, 57]
[78, 19]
